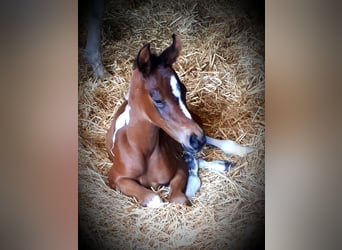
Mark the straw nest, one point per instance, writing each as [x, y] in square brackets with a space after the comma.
[222, 65]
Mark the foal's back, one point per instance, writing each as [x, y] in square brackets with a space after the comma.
[112, 129]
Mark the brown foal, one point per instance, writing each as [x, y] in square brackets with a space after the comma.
[153, 138]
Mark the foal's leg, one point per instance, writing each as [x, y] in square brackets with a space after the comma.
[193, 164]
[229, 146]
[177, 188]
[146, 197]
[194, 182]
[216, 165]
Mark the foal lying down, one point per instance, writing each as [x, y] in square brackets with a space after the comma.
[154, 138]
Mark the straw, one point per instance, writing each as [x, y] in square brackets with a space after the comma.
[222, 66]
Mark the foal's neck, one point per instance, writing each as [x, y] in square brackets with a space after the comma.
[142, 133]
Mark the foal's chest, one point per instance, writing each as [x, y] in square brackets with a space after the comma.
[159, 170]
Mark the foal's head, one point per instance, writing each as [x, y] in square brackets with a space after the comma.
[159, 94]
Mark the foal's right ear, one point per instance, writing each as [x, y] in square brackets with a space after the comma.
[143, 60]
[170, 54]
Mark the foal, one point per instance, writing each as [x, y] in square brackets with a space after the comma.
[153, 138]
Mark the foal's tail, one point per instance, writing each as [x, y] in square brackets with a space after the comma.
[229, 146]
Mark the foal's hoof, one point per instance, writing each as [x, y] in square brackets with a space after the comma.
[244, 150]
[181, 200]
[228, 165]
[153, 202]
[249, 150]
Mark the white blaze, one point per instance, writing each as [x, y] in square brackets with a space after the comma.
[176, 92]
[122, 120]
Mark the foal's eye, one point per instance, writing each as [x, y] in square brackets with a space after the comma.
[157, 99]
[159, 103]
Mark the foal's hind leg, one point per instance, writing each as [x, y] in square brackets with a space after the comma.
[229, 146]
[216, 165]
[194, 182]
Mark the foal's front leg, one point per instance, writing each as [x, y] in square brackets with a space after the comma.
[177, 188]
[146, 197]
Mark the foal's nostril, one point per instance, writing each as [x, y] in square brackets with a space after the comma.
[197, 143]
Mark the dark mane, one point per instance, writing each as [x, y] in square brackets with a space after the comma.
[155, 62]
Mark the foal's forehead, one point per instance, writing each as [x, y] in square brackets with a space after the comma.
[172, 83]
[176, 88]
[166, 73]
[161, 79]
[169, 76]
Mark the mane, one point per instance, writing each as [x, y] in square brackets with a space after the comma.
[155, 62]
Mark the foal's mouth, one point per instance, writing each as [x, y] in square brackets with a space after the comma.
[196, 144]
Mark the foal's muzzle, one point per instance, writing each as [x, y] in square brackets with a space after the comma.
[196, 142]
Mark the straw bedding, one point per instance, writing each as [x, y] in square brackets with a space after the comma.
[222, 65]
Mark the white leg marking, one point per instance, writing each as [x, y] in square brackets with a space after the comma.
[176, 92]
[121, 121]
[220, 166]
[193, 185]
[155, 202]
[194, 182]
[229, 146]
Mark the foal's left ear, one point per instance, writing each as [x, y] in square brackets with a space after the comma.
[170, 54]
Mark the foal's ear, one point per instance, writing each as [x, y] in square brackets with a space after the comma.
[143, 60]
[170, 54]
